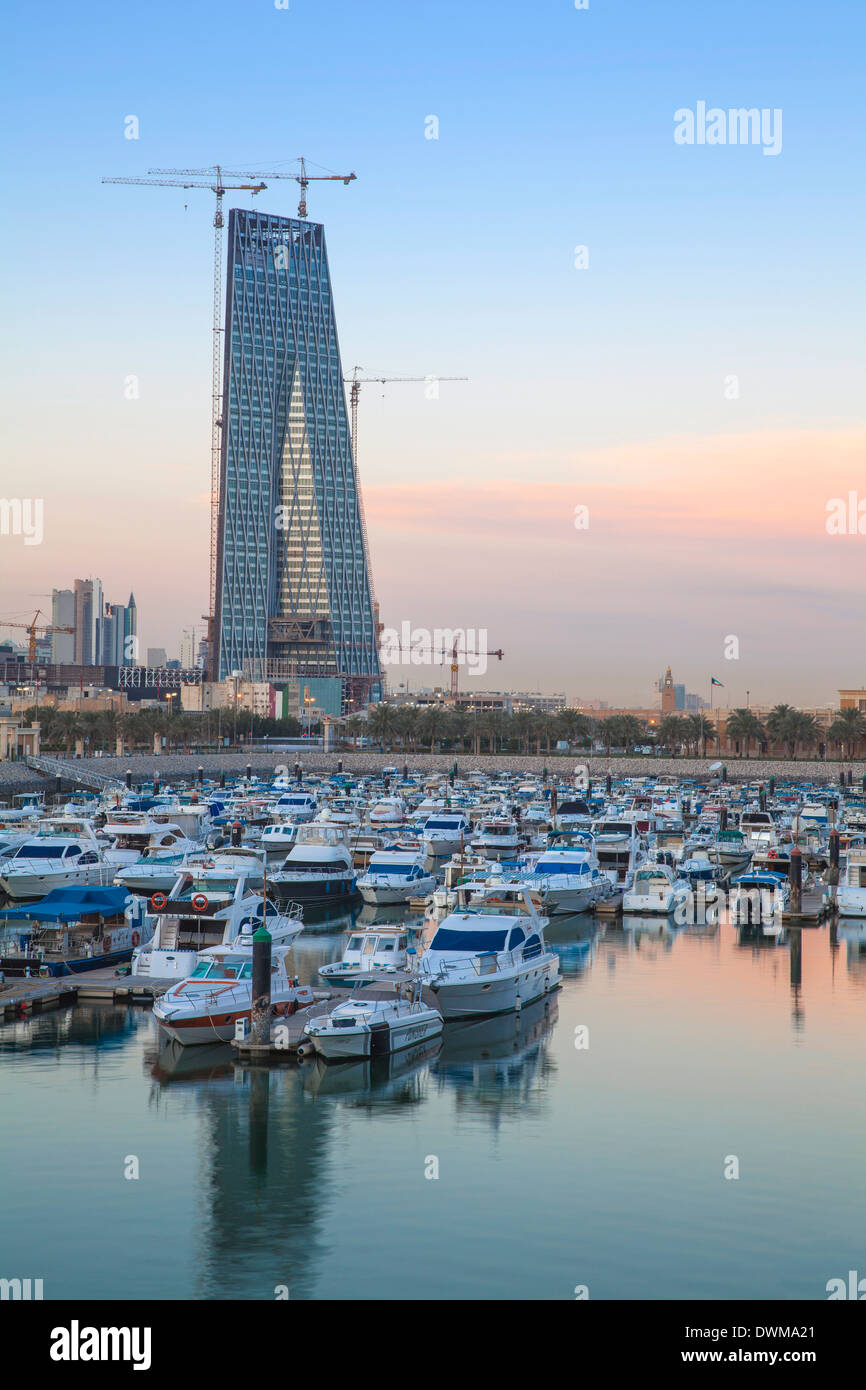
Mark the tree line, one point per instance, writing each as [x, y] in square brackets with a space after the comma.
[411, 728]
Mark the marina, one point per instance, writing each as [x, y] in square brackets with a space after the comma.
[478, 995]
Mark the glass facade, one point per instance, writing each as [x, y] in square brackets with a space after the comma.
[293, 591]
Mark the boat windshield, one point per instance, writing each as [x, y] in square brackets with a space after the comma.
[232, 968]
[450, 939]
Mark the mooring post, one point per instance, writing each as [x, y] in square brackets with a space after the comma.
[200, 774]
[128, 779]
[608, 784]
[723, 818]
[156, 784]
[795, 878]
[772, 786]
[261, 1010]
[237, 832]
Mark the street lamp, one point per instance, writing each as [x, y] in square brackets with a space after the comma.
[236, 676]
[309, 700]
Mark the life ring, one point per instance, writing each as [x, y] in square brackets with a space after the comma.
[106, 943]
[158, 901]
[199, 902]
[136, 939]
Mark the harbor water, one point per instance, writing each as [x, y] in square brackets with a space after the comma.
[683, 1120]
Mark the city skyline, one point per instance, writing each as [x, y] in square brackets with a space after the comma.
[694, 386]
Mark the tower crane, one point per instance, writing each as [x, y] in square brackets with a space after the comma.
[455, 664]
[355, 382]
[302, 178]
[213, 180]
[32, 628]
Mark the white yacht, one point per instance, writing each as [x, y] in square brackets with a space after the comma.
[276, 840]
[63, 853]
[570, 879]
[497, 837]
[394, 876]
[619, 847]
[655, 888]
[178, 931]
[758, 897]
[318, 867]
[134, 842]
[445, 832]
[373, 1027]
[490, 956]
[297, 806]
[389, 810]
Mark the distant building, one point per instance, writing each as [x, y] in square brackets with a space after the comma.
[668, 690]
[63, 615]
[189, 649]
[155, 656]
[88, 622]
[680, 697]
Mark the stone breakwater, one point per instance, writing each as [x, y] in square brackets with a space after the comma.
[18, 777]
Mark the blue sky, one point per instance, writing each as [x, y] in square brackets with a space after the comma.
[452, 255]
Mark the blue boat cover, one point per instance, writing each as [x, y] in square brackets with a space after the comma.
[68, 904]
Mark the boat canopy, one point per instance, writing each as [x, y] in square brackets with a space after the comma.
[69, 904]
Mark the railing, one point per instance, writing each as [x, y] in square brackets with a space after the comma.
[61, 767]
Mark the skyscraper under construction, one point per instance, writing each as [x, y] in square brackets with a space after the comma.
[294, 596]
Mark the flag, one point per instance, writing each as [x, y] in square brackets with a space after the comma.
[713, 681]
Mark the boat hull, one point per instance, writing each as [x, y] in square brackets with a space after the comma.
[499, 994]
[343, 1044]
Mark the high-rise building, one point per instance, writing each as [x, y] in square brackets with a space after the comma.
[130, 633]
[188, 649]
[88, 622]
[293, 590]
[155, 656]
[63, 615]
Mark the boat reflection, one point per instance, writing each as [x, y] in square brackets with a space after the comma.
[397, 1080]
[499, 1066]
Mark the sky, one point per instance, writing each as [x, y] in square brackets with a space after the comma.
[644, 460]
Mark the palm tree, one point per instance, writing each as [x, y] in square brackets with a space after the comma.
[433, 722]
[381, 722]
[779, 723]
[743, 726]
[698, 730]
[805, 730]
[672, 732]
[847, 730]
[572, 725]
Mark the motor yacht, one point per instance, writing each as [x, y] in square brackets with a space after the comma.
[489, 957]
[445, 832]
[851, 892]
[72, 930]
[569, 879]
[318, 867]
[497, 837]
[65, 852]
[655, 888]
[394, 876]
[758, 897]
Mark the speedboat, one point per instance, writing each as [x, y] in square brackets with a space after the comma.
[375, 949]
[395, 876]
[655, 889]
[297, 806]
[369, 1027]
[757, 896]
[204, 1007]
[490, 957]
[390, 810]
[619, 847]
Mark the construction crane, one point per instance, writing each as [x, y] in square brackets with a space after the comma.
[212, 179]
[302, 178]
[355, 382]
[32, 628]
[455, 664]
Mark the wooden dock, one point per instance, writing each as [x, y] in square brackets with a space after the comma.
[20, 997]
[609, 907]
